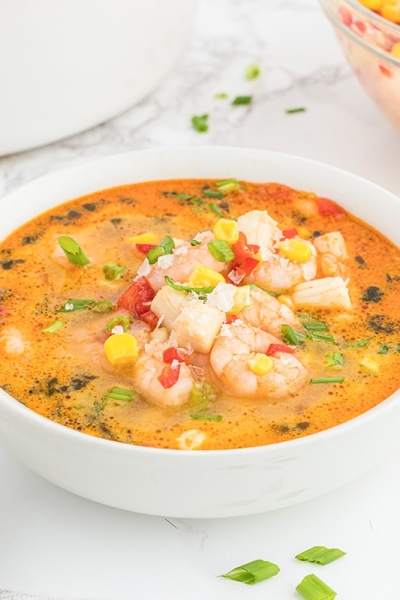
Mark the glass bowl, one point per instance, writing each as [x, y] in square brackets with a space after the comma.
[368, 42]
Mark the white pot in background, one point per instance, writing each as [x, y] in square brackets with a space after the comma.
[68, 65]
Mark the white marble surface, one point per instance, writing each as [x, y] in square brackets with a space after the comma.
[53, 543]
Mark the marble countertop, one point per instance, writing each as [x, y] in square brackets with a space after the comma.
[55, 544]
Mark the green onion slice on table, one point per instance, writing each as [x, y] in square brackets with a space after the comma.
[313, 588]
[320, 555]
[253, 572]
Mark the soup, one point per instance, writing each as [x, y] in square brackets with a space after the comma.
[195, 314]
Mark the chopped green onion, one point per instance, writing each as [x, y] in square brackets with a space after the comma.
[220, 184]
[183, 197]
[384, 349]
[221, 96]
[291, 111]
[360, 344]
[229, 185]
[327, 380]
[313, 588]
[253, 572]
[290, 336]
[112, 271]
[320, 555]
[315, 326]
[334, 359]
[102, 308]
[53, 327]
[221, 250]
[215, 209]
[186, 288]
[73, 305]
[195, 243]
[212, 194]
[73, 251]
[320, 337]
[121, 394]
[167, 246]
[200, 123]
[242, 100]
[253, 71]
[201, 395]
[122, 321]
[200, 417]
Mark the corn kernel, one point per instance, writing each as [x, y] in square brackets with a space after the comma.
[260, 364]
[121, 349]
[391, 12]
[205, 277]
[144, 238]
[372, 4]
[295, 250]
[370, 365]
[395, 51]
[286, 300]
[241, 299]
[303, 232]
[226, 229]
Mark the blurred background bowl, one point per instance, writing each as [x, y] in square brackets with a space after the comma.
[369, 44]
[69, 65]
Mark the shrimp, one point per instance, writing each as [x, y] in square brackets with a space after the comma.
[279, 274]
[229, 357]
[147, 370]
[180, 264]
[267, 313]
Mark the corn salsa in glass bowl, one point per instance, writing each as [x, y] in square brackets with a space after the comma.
[371, 44]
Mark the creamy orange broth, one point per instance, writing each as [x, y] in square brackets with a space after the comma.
[56, 375]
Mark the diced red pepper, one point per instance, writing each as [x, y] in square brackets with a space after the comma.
[248, 264]
[385, 71]
[169, 375]
[328, 208]
[145, 248]
[3, 311]
[142, 306]
[149, 317]
[173, 353]
[274, 348]
[289, 233]
[345, 16]
[231, 319]
[242, 249]
[135, 297]
[359, 26]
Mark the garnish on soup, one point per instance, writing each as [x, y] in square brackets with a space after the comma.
[196, 314]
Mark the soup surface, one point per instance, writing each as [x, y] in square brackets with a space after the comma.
[199, 314]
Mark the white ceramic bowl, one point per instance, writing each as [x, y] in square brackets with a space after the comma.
[67, 65]
[221, 483]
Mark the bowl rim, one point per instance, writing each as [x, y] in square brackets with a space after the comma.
[13, 406]
[379, 22]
